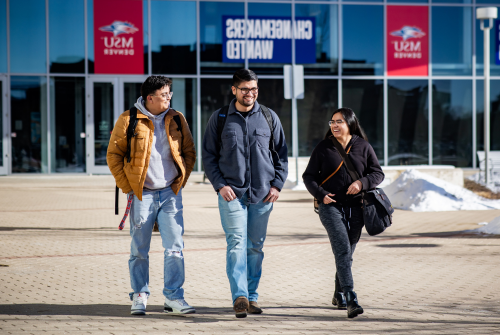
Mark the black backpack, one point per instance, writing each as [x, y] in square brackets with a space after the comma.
[131, 133]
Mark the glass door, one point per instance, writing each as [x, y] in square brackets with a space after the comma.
[130, 91]
[4, 128]
[102, 112]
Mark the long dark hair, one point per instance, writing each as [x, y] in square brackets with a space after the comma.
[352, 123]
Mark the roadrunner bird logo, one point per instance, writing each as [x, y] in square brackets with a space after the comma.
[119, 27]
[408, 32]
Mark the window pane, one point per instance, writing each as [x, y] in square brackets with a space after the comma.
[90, 34]
[365, 98]
[216, 93]
[452, 41]
[363, 40]
[452, 1]
[103, 120]
[28, 99]
[412, 1]
[494, 114]
[282, 11]
[145, 37]
[27, 36]
[174, 50]
[184, 101]
[314, 111]
[3, 35]
[452, 122]
[408, 122]
[494, 68]
[1, 123]
[67, 112]
[211, 36]
[67, 46]
[327, 53]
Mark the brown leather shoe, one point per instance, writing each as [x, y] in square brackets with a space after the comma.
[240, 307]
[254, 308]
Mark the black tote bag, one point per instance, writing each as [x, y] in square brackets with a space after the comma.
[377, 208]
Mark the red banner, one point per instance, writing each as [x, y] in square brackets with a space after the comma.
[118, 37]
[407, 40]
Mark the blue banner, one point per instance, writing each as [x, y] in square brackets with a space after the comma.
[269, 39]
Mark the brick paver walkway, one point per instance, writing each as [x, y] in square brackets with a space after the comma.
[64, 268]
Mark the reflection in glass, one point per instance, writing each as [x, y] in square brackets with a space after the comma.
[363, 40]
[67, 46]
[145, 36]
[451, 40]
[131, 92]
[216, 93]
[452, 122]
[1, 123]
[67, 116]
[173, 49]
[269, 10]
[408, 122]
[103, 120]
[27, 36]
[494, 68]
[90, 35]
[3, 35]
[28, 99]
[411, 1]
[494, 115]
[211, 36]
[327, 53]
[314, 111]
[184, 101]
[365, 98]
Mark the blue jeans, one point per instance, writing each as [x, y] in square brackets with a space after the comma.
[245, 226]
[164, 207]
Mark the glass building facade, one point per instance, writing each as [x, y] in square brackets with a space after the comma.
[57, 112]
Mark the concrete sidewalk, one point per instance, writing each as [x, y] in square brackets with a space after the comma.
[64, 268]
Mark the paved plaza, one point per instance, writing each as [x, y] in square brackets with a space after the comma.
[63, 268]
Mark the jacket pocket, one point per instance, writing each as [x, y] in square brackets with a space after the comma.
[228, 140]
[262, 137]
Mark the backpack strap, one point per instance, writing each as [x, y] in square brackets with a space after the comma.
[131, 131]
[221, 122]
[269, 120]
[177, 120]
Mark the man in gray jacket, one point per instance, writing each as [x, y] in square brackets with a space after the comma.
[245, 159]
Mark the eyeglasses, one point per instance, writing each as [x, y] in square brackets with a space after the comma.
[339, 122]
[245, 90]
[164, 96]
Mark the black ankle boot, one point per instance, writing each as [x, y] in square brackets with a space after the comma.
[338, 296]
[353, 309]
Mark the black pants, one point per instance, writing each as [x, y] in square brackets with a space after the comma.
[343, 226]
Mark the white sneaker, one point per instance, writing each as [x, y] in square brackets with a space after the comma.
[139, 302]
[178, 306]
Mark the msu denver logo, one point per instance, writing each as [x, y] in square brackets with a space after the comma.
[119, 27]
[408, 32]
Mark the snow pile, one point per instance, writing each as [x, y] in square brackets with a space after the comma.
[491, 228]
[420, 192]
[494, 186]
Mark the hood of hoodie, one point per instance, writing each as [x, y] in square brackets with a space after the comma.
[141, 106]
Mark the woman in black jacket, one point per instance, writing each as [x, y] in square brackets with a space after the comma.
[339, 196]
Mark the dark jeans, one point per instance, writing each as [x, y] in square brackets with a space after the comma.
[343, 226]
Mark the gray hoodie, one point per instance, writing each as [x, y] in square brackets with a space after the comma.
[162, 170]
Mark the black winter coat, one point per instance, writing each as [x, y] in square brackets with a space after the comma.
[325, 160]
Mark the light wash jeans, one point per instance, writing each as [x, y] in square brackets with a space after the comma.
[164, 207]
[245, 226]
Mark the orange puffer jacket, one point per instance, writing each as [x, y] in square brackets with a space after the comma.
[131, 176]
